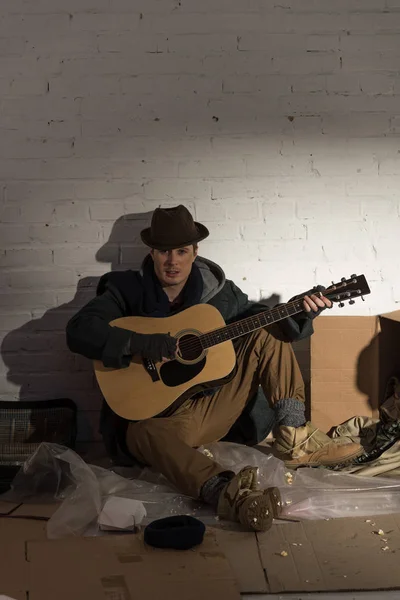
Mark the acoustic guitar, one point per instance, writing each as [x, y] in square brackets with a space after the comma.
[206, 356]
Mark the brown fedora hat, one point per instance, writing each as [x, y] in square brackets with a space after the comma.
[173, 228]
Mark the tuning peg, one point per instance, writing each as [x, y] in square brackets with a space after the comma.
[351, 276]
[362, 298]
[343, 279]
[352, 301]
[341, 304]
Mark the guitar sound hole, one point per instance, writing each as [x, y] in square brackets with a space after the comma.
[190, 347]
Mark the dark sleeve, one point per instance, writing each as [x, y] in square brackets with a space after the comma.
[89, 332]
[294, 328]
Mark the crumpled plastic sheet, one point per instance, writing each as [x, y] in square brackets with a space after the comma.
[56, 473]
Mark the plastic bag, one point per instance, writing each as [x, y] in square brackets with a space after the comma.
[55, 473]
[314, 493]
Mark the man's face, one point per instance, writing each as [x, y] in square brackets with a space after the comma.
[173, 267]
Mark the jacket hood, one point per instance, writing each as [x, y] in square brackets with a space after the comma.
[212, 274]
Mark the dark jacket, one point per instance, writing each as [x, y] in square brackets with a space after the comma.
[139, 293]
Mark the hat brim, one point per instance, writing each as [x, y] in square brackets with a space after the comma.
[202, 230]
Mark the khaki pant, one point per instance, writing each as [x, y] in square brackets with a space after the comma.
[168, 444]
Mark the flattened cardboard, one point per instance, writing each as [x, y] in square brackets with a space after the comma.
[241, 550]
[333, 555]
[124, 567]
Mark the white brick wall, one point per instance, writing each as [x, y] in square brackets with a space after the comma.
[277, 124]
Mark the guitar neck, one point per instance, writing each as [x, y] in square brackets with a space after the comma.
[244, 326]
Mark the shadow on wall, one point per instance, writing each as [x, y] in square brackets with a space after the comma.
[36, 355]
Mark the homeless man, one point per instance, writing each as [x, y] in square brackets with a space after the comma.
[172, 278]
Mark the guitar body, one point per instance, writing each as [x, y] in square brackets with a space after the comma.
[145, 389]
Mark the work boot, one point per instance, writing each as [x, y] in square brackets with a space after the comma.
[242, 501]
[308, 446]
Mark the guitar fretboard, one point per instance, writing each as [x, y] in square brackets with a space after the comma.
[235, 330]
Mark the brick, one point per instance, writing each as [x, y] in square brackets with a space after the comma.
[8, 389]
[211, 168]
[323, 43]
[164, 189]
[224, 6]
[13, 320]
[270, 230]
[30, 340]
[309, 84]
[256, 187]
[345, 165]
[26, 24]
[181, 84]
[105, 189]
[23, 258]
[374, 22]
[145, 168]
[371, 62]
[373, 186]
[234, 145]
[293, 251]
[244, 211]
[10, 214]
[64, 234]
[14, 234]
[126, 42]
[325, 6]
[124, 231]
[272, 84]
[28, 86]
[132, 256]
[278, 209]
[5, 86]
[79, 255]
[362, 44]
[280, 44]
[87, 86]
[222, 251]
[395, 125]
[334, 209]
[98, 22]
[70, 45]
[27, 300]
[280, 166]
[389, 166]
[106, 211]
[12, 46]
[356, 124]
[203, 44]
[75, 211]
[211, 211]
[50, 129]
[43, 107]
[38, 148]
[77, 300]
[224, 231]
[35, 279]
[11, 66]
[342, 83]
[378, 207]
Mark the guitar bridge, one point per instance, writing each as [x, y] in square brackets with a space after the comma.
[151, 368]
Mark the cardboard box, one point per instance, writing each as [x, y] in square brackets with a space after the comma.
[351, 361]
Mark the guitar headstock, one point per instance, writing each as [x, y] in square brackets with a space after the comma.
[348, 289]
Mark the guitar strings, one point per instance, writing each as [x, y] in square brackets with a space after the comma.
[209, 336]
[276, 311]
